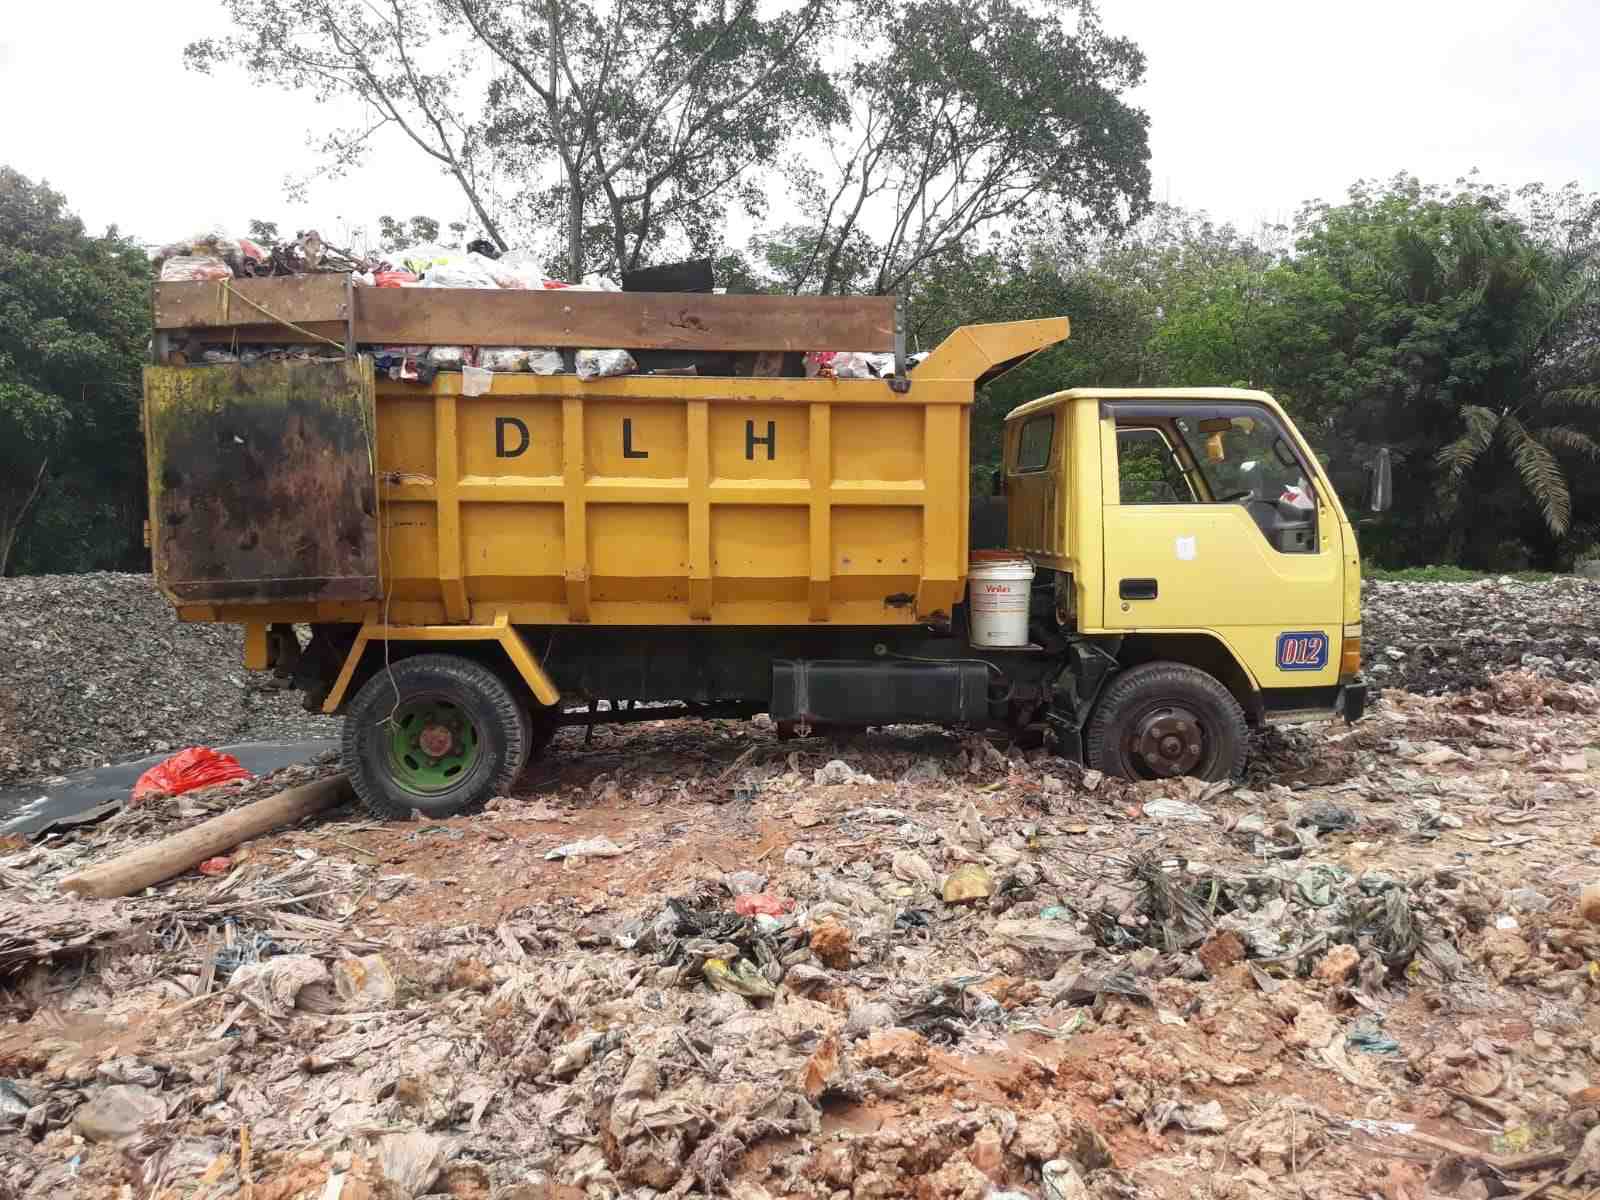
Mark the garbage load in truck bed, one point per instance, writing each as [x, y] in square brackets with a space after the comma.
[313, 489]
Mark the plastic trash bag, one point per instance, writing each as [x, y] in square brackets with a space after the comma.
[503, 358]
[545, 361]
[600, 364]
[395, 278]
[838, 364]
[475, 381]
[196, 767]
[188, 268]
[418, 259]
[463, 271]
[447, 356]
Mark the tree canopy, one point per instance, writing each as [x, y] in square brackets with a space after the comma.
[74, 324]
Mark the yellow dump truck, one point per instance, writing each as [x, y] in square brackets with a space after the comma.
[481, 557]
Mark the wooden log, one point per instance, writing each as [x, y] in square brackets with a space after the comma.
[174, 855]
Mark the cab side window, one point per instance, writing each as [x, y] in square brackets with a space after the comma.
[1147, 470]
[1033, 443]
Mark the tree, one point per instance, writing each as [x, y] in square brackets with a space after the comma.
[967, 117]
[394, 234]
[1456, 327]
[74, 323]
[654, 112]
[1555, 375]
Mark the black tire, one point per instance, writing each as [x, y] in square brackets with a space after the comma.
[499, 721]
[1164, 719]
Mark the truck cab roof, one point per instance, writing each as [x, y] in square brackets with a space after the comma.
[1174, 395]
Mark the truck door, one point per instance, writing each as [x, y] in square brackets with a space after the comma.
[1034, 444]
[1213, 521]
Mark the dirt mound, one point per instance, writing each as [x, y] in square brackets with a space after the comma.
[98, 667]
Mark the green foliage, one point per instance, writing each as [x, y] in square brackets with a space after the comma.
[395, 234]
[959, 117]
[1459, 327]
[74, 324]
[656, 111]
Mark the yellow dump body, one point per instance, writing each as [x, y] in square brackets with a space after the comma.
[650, 500]
[642, 501]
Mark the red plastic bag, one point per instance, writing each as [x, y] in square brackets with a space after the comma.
[394, 278]
[762, 903]
[196, 767]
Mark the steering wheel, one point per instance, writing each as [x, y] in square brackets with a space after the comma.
[1235, 496]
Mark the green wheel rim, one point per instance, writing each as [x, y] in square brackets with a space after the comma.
[421, 759]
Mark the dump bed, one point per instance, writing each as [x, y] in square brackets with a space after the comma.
[314, 490]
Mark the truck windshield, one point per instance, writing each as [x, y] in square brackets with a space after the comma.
[1244, 457]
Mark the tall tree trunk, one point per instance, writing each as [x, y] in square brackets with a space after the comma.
[573, 165]
[9, 531]
[575, 224]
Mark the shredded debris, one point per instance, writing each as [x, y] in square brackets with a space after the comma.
[948, 969]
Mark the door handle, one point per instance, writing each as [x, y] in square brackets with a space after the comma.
[1137, 589]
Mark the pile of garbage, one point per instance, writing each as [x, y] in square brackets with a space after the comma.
[215, 256]
[1447, 637]
[696, 960]
[98, 668]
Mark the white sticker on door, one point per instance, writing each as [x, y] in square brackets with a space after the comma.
[1186, 549]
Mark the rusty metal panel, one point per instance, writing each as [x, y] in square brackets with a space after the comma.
[261, 481]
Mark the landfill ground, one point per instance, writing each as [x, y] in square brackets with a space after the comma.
[1364, 970]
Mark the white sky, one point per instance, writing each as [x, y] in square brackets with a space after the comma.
[1255, 106]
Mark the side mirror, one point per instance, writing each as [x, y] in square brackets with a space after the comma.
[1380, 482]
[999, 481]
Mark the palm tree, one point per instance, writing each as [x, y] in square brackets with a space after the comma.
[1553, 371]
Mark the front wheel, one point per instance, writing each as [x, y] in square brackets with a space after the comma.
[436, 734]
[1164, 719]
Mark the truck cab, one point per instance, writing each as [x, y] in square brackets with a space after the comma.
[1189, 543]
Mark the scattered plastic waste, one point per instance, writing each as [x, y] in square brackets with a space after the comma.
[595, 847]
[187, 770]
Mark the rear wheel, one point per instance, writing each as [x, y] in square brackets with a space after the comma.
[436, 734]
[1164, 719]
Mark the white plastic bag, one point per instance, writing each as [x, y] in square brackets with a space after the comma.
[503, 358]
[418, 259]
[601, 364]
[447, 356]
[475, 381]
[465, 271]
[187, 268]
[545, 361]
[852, 366]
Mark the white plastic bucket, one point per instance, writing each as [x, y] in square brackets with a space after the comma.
[997, 594]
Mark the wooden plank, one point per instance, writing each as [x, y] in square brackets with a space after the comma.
[297, 298]
[633, 320]
[152, 863]
[276, 335]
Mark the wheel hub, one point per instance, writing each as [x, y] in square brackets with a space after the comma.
[435, 741]
[1169, 741]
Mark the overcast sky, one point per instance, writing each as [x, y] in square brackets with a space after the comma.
[1255, 106]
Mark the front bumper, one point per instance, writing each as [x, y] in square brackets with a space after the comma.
[1352, 702]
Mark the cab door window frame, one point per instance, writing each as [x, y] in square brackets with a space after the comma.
[1172, 465]
[1156, 414]
[1025, 462]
